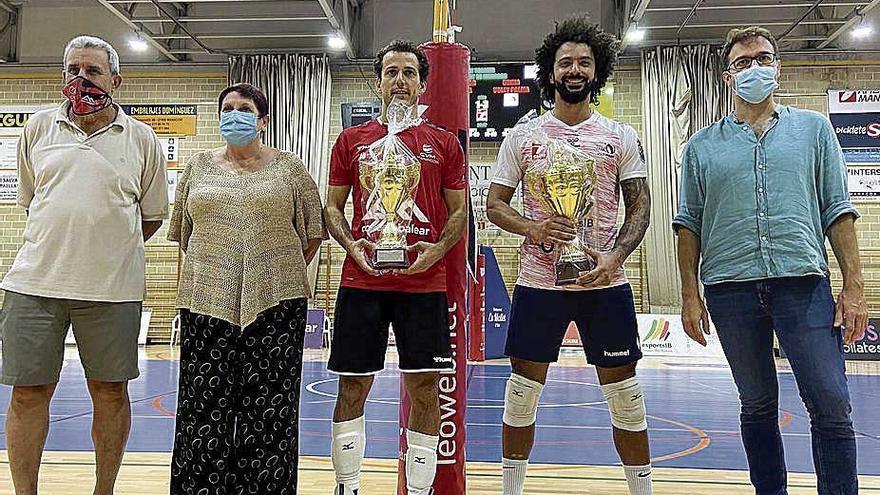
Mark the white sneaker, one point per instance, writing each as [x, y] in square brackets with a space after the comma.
[344, 490]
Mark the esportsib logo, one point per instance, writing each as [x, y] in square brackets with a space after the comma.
[659, 331]
[847, 96]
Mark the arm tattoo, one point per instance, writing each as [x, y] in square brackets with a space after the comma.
[637, 200]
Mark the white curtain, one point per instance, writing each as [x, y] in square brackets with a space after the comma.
[298, 89]
[682, 92]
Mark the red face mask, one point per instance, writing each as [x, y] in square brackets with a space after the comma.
[85, 97]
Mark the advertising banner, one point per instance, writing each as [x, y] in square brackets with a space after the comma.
[314, 338]
[855, 116]
[166, 120]
[868, 348]
[497, 306]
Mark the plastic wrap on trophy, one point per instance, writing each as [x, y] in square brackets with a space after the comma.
[389, 178]
[564, 187]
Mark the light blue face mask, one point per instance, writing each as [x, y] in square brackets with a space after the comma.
[238, 128]
[756, 84]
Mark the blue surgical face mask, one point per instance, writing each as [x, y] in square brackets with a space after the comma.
[238, 128]
[756, 84]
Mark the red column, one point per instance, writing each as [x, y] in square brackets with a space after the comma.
[448, 100]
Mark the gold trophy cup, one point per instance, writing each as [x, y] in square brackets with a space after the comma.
[392, 180]
[565, 188]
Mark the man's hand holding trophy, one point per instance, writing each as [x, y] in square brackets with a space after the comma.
[564, 186]
[390, 173]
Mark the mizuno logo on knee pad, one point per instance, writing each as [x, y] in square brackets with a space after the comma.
[521, 401]
[347, 446]
[626, 405]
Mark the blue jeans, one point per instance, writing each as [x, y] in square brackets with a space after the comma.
[801, 312]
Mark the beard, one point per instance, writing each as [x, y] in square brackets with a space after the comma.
[577, 96]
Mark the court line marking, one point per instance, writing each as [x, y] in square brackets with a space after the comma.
[311, 388]
[703, 440]
[157, 403]
[475, 472]
[89, 412]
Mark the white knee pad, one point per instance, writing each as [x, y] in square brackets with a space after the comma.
[347, 451]
[521, 401]
[626, 404]
[421, 461]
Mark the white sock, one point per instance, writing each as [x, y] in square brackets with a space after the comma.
[638, 478]
[421, 462]
[347, 451]
[513, 475]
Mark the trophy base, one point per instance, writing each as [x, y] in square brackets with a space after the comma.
[390, 258]
[567, 272]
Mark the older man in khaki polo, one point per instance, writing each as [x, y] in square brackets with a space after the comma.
[93, 183]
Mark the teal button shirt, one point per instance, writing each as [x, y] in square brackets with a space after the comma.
[761, 206]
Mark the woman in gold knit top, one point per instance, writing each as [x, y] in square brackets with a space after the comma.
[249, 219]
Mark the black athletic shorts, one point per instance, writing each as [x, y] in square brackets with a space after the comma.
[606, 321]
[360, 331]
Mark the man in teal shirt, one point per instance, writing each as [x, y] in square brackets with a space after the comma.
[760, 191]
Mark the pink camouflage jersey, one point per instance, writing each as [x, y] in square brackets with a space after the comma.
[618, 156]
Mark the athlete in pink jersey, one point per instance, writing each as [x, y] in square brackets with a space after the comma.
[574, 63]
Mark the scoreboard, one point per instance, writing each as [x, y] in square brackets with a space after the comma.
[500, 95]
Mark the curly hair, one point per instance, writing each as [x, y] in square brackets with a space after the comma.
[577, 29]
[403, 46]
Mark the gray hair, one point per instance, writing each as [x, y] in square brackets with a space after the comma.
[94, 42]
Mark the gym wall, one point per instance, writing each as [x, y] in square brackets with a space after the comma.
[803, 85]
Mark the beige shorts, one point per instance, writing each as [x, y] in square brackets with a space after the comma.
[33, 329]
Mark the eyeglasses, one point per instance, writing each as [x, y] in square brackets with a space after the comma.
[765, 59]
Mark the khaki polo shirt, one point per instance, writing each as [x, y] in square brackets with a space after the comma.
[86, 197]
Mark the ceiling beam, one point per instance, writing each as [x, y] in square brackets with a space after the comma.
[854, 17]
[718, 40]
[165, 20]
[235, 36]
[179, 25]
[797, 21]
[687, 18]
[143, 32]
[633, 19]
[333, 19]
[640, 10]
[126, 2]
[754, 6]
[738, 24]
[805, 38]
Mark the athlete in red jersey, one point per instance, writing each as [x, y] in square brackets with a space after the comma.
[412, 299]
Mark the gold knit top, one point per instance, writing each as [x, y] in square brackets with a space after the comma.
[244, 236]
